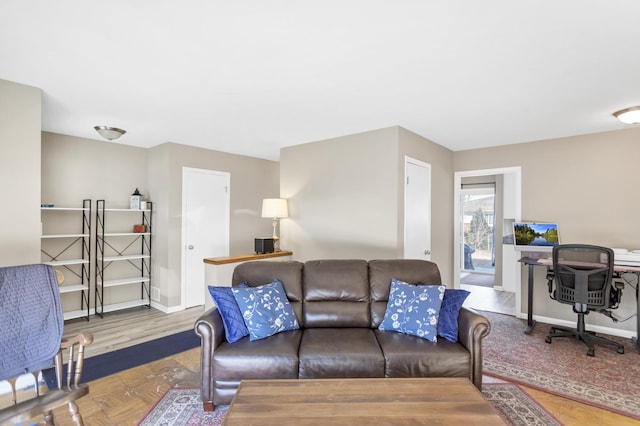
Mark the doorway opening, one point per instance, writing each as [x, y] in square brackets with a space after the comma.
[478, 213]
[505, 295]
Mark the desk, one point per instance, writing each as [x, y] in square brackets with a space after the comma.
[532, 262]
[247, 257]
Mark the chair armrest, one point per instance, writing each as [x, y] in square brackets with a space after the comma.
[550, 278]
[472, 328]
[82, 339]
[211, 331]
[27, 410]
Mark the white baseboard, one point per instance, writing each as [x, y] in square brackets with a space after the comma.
[572, 324]
[165, 309]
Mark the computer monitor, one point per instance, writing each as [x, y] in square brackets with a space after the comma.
[532, 236]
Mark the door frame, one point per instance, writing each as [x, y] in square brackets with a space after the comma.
[183, 245]
[515, 207]
[410, 160]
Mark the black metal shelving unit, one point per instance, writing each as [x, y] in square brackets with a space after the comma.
[130, 248]
[73, 254]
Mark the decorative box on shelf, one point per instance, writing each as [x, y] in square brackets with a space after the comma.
[139, 229]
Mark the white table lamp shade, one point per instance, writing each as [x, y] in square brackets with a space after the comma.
[275, 207]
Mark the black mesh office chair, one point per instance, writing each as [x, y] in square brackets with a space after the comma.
[583, 276]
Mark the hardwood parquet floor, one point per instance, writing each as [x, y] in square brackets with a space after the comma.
[126, 397]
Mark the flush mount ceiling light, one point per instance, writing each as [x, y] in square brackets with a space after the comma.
[629, 115]
[110, 133]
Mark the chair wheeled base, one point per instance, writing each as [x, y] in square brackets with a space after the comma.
[587, 337]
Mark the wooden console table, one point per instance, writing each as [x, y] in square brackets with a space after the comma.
[218, 271]
[384, 401]
[246, 257]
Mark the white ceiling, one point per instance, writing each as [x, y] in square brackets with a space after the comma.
[250, 77]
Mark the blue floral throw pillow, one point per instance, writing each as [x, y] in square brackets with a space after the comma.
[413, 309]
[234, 327]
[448, 319]
[265, 309]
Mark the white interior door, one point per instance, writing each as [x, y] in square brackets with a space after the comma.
[205, 227]
[417, 209]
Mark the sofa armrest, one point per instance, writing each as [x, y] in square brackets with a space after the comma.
[211, 331]
[472, 328]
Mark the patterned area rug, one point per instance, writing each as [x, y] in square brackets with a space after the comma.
[609, 380]
[184, 407]
[515, 406]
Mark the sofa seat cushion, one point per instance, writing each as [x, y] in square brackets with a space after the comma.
[340, 352]
[411, 356]
[273, 358]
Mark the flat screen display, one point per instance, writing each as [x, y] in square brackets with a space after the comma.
[531, 236]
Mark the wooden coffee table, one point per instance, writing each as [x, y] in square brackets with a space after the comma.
[454, 401]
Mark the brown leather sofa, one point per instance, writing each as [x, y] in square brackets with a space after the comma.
[339, 305]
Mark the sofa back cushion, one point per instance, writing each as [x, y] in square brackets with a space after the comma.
[260, 272]
[412, 271]
[336, 293]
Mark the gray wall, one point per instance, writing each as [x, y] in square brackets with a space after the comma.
[20, 126]
[342, 196]
[441, 160]
[346, 196]
[76, 168]
[252, 179]
[587, 184]
[345, 193]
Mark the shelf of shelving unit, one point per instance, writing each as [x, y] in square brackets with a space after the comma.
[109, 250]
[126, 257]
[74, 209]
[124, 305]
[125, 281]
[72, 288]
[67, 262]
[126, 234]
[68, 315]
[79, 267]
[65, 236]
